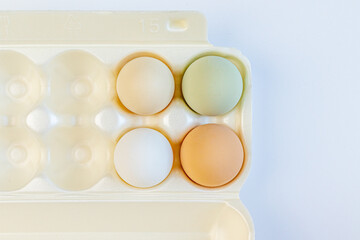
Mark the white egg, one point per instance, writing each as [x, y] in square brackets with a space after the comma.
[143, 157]
[145, 85]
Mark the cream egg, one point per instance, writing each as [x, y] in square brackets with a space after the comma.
[143, 157]
[145, 85]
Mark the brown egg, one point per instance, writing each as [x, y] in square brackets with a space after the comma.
[212, 155]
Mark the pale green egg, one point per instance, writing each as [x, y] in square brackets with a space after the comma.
[212, 85]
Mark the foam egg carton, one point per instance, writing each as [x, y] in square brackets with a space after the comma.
[59, 107]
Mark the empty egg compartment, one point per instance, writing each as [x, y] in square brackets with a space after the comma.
[22, 85]
[22, 155]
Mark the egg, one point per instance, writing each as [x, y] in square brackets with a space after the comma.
[145, 85]
[211, 155]
[143, 157]
[212, 85]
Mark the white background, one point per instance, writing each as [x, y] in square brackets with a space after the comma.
[305, 55]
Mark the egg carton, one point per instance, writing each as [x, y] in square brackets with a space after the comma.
[43, 110]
